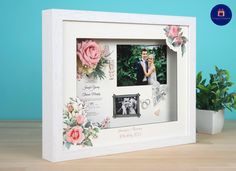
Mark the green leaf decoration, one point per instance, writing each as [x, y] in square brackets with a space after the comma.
[96, 130]
[170, 40]
[184, 39]
[95, 136]
[88, 124]
[67, 145]
[64, 136]
[183, 49]
[88, 142]
[65, 113]
[98, 71]
[166, 29]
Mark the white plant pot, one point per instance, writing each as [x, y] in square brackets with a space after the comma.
[210, 122]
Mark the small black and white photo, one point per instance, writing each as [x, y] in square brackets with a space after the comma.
[126, 105]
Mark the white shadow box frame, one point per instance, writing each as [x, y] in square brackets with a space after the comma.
[61, 28]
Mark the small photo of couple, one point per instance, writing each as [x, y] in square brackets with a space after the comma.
[126, 105]
[141, 64]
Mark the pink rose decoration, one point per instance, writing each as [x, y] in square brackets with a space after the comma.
[80, 119]
[173, 32]
[175, 37]
[89, 53]
[75, 135]
[70, 108]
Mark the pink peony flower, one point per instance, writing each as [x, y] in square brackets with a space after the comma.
[173, 32]
[89, 53]
[75, 135]
[70, 107]
[80, 119]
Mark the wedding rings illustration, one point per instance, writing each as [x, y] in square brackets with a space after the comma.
[145, 103]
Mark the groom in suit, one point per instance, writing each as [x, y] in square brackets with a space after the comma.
[141, 79]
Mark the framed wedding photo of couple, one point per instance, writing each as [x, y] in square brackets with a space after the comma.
[116, 82]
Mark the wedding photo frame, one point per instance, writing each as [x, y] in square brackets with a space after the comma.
[116, 82]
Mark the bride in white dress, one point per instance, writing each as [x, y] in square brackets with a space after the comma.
[151, 74]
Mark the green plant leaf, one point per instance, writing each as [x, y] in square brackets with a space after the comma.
[227, 75]
[213, 86]
[202, 87]
[203, 82]
[224, 90]
[227, 106]
[199, 77]
[215, 95]
[229, 84]
[234, 106]
[234, 96]
[217, 69]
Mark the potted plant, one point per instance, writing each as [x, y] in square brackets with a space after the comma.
[213, 97]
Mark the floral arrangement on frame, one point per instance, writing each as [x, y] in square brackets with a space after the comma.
[78, 129]
[91, 59]
[175, 37]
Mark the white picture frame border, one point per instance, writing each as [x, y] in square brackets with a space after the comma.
[52, 80]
